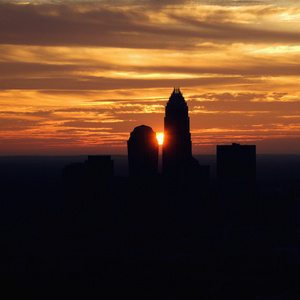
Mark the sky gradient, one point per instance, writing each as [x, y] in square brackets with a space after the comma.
[78, 76]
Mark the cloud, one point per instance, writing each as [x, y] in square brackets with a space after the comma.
[137, 26]
[84, 124]
[102, 83]
[85, 73]
[20, 124]
[21, 69]
[242, 97]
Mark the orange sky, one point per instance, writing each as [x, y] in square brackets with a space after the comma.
[78, 76]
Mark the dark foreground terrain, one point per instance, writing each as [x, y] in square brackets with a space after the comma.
[48, 252]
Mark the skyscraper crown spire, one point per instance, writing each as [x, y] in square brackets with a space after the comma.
[177, 151]
[176, 98]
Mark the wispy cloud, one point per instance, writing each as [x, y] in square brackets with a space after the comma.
[85, 73]
[179, 27]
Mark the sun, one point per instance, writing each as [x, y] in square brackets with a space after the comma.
[160, 138]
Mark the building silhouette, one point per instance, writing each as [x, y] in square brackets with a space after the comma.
[177, 147]
[187, 182]
[142, 152]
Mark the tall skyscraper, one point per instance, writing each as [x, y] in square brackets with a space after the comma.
[177, 147]
[187, 182]
[142, 152]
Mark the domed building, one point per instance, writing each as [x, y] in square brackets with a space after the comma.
[142, 152]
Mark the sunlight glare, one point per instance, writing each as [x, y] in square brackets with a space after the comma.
[160, 138]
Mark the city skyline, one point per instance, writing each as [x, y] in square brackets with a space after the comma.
[77, 77]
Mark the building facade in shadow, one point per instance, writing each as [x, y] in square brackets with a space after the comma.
[187, 181]
[178, 162]
[142, 152]
[142, 187]
[177, 147]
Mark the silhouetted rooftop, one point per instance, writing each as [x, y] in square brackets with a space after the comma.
[176, 98]
[142, 130]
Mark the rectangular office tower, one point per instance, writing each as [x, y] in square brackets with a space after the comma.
[236, 180]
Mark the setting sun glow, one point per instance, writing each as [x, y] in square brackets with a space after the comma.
[160, 138]
[112, 65]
